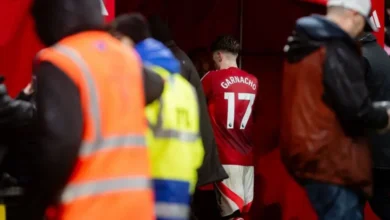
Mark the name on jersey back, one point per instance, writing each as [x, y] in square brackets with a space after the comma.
[238, 79]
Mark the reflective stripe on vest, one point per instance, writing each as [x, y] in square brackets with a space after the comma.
[112, 142]
[169, 210]
[74, 191]
[160, 132]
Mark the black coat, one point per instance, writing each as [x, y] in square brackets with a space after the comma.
[211, 169]
[377, 67]
[19, 135]
[326, 108]
[17, 118]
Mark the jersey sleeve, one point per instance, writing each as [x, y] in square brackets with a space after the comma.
[257, 98]
[256, 82]
[206, 84]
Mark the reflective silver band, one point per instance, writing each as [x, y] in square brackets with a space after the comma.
[111, 143]
[180, 135]
[92, 90]
[171, 210]
[95, 188]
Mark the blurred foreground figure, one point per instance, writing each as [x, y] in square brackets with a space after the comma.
[92, 162]
[211, 170]
[174, 138]
[17, 145]
[230, 94]
[17, 117]
[377, 69]
[17, 125]
[326, 109]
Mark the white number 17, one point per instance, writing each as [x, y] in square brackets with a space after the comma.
[230, 97]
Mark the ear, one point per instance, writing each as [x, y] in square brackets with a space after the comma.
[220, 56]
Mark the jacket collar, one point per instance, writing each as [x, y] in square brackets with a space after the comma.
[367, 38]
[319, 28]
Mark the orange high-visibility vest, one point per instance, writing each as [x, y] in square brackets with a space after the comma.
[111, 180]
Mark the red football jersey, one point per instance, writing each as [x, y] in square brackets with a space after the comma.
[230, 96]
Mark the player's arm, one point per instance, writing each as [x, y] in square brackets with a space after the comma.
[257, 97]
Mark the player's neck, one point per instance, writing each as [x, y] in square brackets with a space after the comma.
[228, 64]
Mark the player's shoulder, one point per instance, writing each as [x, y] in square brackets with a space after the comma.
[209, 74]
[249, 75]
[206, 75]
[244, 72]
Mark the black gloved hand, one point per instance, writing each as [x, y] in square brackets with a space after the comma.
[12, 112]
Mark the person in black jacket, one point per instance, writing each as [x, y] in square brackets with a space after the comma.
[14, 113]
[326, 110]
[18, 140]
[377, 70]
[17, 126]
[17, 155]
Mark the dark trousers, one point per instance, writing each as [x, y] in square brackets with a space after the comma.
[333, 202]
[204, 205]
[380, 202]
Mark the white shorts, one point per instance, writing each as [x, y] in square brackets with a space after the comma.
[236, 192]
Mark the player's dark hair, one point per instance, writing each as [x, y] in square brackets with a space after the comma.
[159, 29]
[226, 43]
[132, 25]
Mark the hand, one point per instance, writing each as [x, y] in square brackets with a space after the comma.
[387, 128]
[3, 89]
[388, 123]
[29, 89]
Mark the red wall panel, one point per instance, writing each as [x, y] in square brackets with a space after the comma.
[19, 44]
[193, 23]
[110, 7]
[378, 15]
